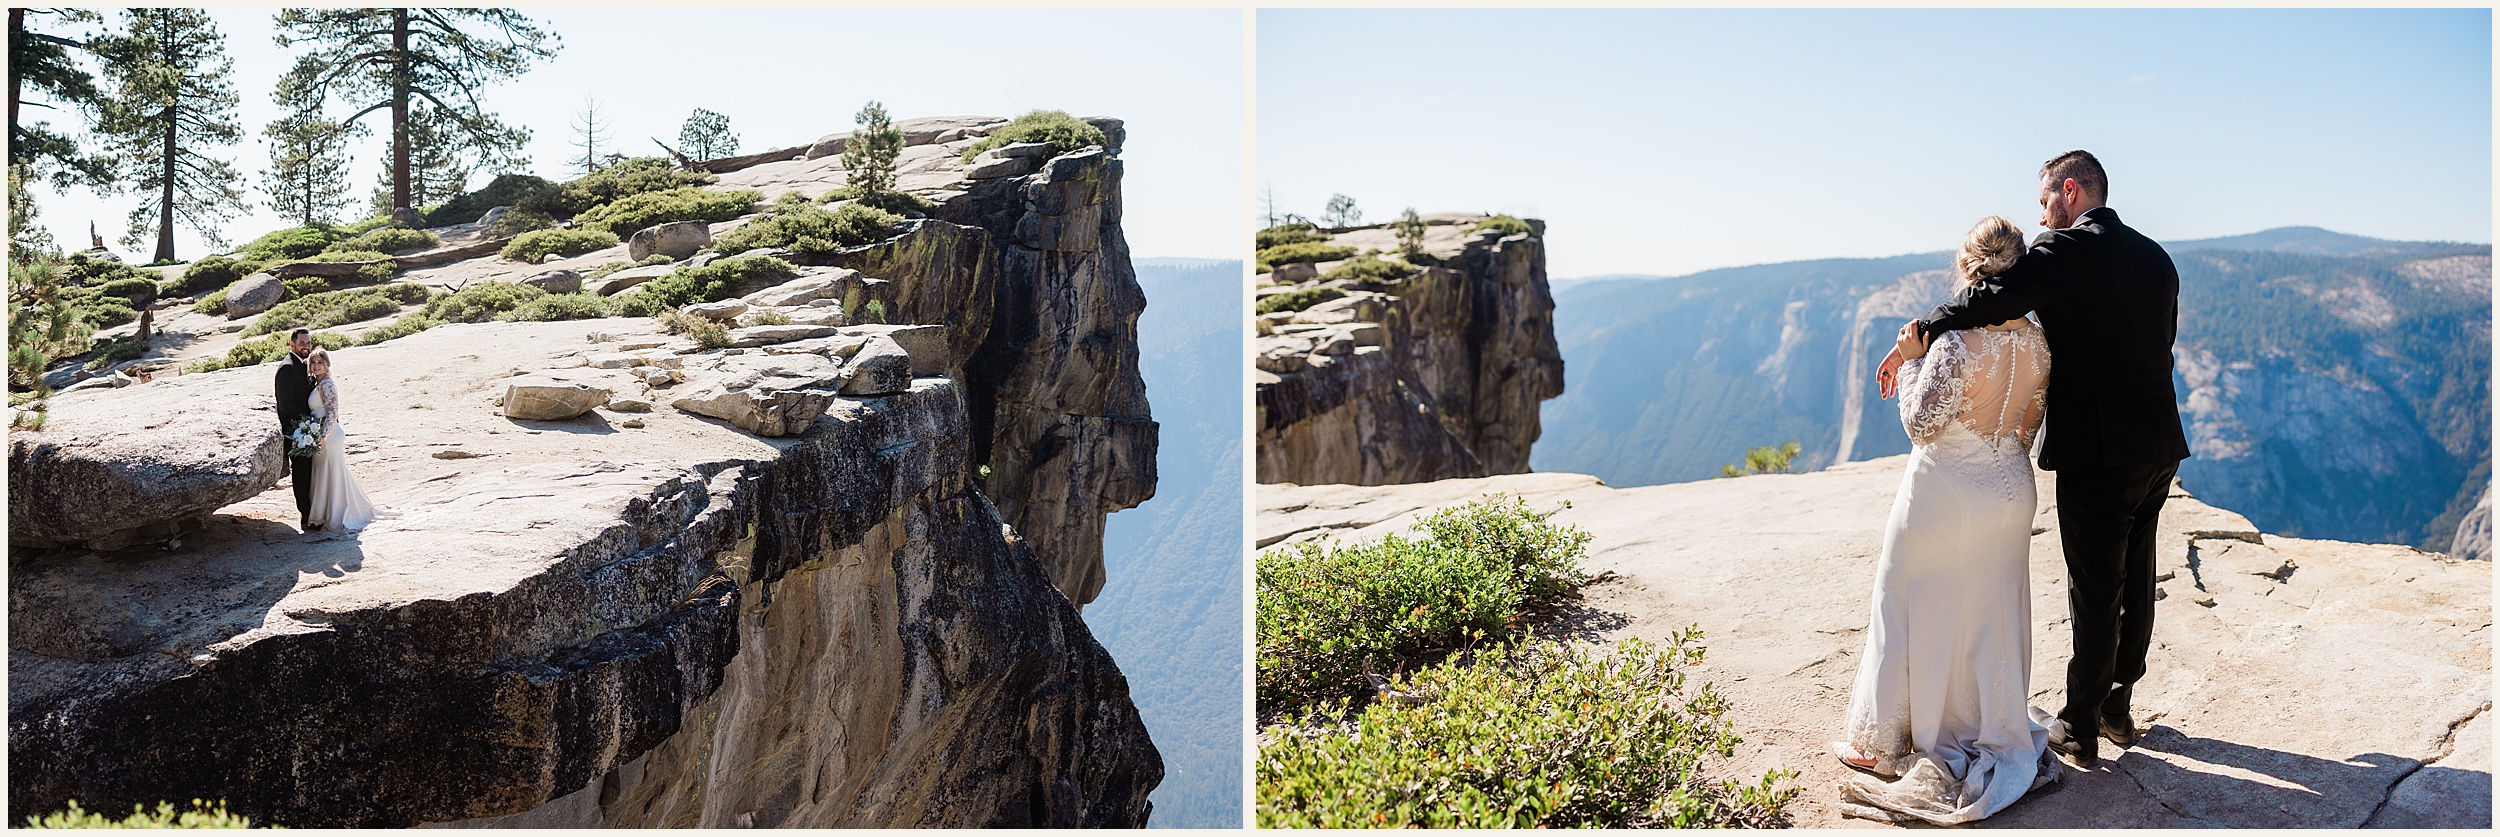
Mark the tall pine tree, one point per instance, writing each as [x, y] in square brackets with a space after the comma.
[868, 156]
[170, 105]
[425, 67]
[46, 63]
[307, 176]
[706, 136]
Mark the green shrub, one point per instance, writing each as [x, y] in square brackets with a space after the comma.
[614, 182]
[1368, 270]
[809, 231]
[208, 273]
[710, 283]
[572, 306]
[214, 303]
[199, 815]
[1064, 133]
[385, 240]
[632, 213]
[898, 203]
[536, 244]
[1294, 233]
[303, 286]
[107, 311]
[656, 259]
[602, 271]
[294, 243]
[137, 290]
[79, 271]
[323, 310]
[263, 350]
[1326, 615]
[481, 301]
[1306, 251]
[1507, 224]
[1298, 299]
[767, 316]
[513, 190]
[518, 221]
[116, 350]
[402, 327]
[1527, 735]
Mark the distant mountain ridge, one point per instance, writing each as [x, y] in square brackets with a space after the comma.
[2333, 385]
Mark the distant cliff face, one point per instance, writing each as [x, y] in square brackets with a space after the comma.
[645, 617]
[1433, 373]
[2334, 387]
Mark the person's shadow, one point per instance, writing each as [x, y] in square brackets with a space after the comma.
[2208, 782]
[223, 580]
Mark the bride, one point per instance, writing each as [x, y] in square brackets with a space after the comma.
[1941, 702]
[336, 501]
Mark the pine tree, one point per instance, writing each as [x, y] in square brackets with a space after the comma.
[1410, 229]
[437, 170]
[586, 133]
[171, 103]
[868, 157]
[1340, 212]
[307, 176]
[425, 66]
[706, 136]
[44, 62]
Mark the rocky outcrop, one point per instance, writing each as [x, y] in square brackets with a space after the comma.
[676, 240]
[1434, 374]
[817, 610]
[138, 465]
[2473, 540]
[256, 293]
[2292, 683]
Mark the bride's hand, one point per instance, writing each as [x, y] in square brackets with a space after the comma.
[1887, 375]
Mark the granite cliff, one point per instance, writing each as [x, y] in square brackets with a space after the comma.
[766, 585]
[1419, 372]
[2293, 683]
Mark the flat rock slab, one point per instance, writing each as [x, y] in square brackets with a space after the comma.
[2351, 689]
[141, 463]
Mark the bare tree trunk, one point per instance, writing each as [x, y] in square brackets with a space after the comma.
[399, 110]
[17, 25]
[173, 126]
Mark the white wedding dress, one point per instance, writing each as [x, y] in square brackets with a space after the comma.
[337, 503]
[1942, 697]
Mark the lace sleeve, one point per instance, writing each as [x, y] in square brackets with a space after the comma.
[329, 407]
[1933, 388]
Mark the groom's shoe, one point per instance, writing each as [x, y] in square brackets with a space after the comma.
[2077, 750]
[2120, 730]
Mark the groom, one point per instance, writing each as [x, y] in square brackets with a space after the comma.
[294, 403]
[2108, 300]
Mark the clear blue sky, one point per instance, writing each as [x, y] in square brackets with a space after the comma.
[787, 76]
[1669, 141]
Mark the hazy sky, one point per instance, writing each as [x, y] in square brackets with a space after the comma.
[1670, 141]
[787, 76]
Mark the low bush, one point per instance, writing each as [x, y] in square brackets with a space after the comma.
[1327, 615]
[109, 352]
[406, 325]
[208, 273]
[1506, 224]
[385, 240]
[704, 331]
[1064, 133]
[138, 290]
[303, 286]
[1526, 735]
[263, 350]
[518, 221]
[293, 243]
[213, 303]
[480, 302]
[1299, 252]
[513, 190]
[1298, 299]
[656, 258]
[1368, 270]
[535, 245]
[632, 213]
[614, 182]
[808, 231]
[768, 316]
[602, 271]
[333, 308]
[898, 203]
[572, 306]
[199, 815]
[710, 283]
[1294, 233]
[106, 311]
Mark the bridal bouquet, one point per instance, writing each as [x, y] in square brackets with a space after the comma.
[304, 439]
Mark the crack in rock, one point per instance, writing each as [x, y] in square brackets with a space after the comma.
[2447, 746]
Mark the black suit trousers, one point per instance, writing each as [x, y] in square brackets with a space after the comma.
[299, 470]
[2108, 519]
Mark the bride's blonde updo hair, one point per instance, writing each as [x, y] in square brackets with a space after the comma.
[322, 355]
[1990, 248]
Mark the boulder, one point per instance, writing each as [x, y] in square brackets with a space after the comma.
[767, 395]
[548, 397]
[764, 335]
[139, 465]
[727, 309]
[828, 145]
[929, 130]
[926, 344]
[254, 294]
[676, 240]
[1028, 150]
[1295, 273]
[555, 281]
[818, 283]
[619, 281]
[997, 167]
[1114, 130]
[880, 367]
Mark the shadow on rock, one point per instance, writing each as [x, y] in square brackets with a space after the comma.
[221, 581]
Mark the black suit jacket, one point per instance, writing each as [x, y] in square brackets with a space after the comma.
[294, 392]
[2108, 300]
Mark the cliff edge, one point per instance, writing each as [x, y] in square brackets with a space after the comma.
[2293, 683]
[1416, 372]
